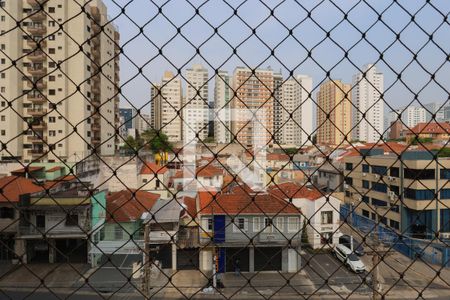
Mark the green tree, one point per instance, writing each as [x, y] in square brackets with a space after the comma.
[444, 152]
[156, 140]
[131, 143]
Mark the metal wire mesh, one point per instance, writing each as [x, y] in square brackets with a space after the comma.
[121, 179]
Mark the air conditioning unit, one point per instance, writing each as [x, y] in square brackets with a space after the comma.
[376, 176]
[390, 178]
[364, 174]
[346, 186]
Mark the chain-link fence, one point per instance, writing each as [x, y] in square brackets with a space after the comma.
[224, 149]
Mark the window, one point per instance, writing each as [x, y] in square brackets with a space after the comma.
[365, 213]
[395, 172]
[293, 224]
[2, 132]
[51, 133]
[365, 199]
[40, 221]
[445, 173]
[256, 224]
[72, 220]
[268, 225]
[52, 92]
[419, 174]
[348, 180]
[240, 224]
[419, 194]
[51, 50]
[395, 208]
[51, 119]
[118, 232]
[3, 118]
[365, 168]
[379, 187]
[326, 217]
[394, 224]
[377, 202]
[348, 166]
[395, 189]
[380, 170]
[445, 194]
[365, 184]
[51, 10]
[6, 213]
[51, 23]
[326, 238]
[279, 224]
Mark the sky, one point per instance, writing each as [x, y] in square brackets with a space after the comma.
[149, 25]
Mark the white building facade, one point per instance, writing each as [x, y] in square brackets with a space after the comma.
[222, 105]
[368, 106]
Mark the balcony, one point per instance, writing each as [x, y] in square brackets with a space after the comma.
[95, 89]
[37, 29]
[36, 112]
[95, 42]
[96, 52]
[95, 127]
[96, 140]
[39, 126]
[38, 43]
[36, 152]
[37, 15]
[40, 72]
[36, 3]
[37, 56]
[36, 139]
[36, 99]
[39, 85]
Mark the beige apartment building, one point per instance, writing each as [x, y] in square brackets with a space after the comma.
[253, 97]
[59, 98]
[222, 104]
[334, 119]
[166, 102]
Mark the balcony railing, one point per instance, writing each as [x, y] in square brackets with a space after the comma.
[37, 99]
[37, 71]
[36, 139]
[37, 56]
[36, 3]
[39, 15]
[36, 111]
[37, 30]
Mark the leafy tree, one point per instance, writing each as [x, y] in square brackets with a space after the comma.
[156, 140]
[444, 152]
[132, 144]
[418, 140]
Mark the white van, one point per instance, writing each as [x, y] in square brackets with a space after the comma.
[349, 258]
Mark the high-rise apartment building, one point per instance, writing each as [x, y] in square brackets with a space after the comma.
[434, 108]
[368, 105]
[143, 122]
[334, 119]
[196, 108]
[410, 116]
[59, 80]
[253, 103]
[129, 115]
[295, 119]
[222, 105]
[278, 107]
[166, 102]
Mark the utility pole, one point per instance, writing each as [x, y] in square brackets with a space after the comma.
[146, 277]
[376, 262]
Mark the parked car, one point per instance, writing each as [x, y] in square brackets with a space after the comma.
[346, 240]
[346, 256]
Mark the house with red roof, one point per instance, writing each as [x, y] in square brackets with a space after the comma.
[320, 211]
[154, 178]
[250, 231]
[199, 177]
[436, 131]
[122, 232]
[13, 190]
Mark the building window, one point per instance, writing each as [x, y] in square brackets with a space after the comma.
[365, 199]
[445, 173]
[51, 119]
[51, 133]
[239, 225]
[268, 225]
[445, 194]
[72, 220]
[395, 172]
[51, 50]
[293, 224]
[380, 170]
[51, 10]
[279, 224]
[419, 194]
[394, 224]
[365, 184]
[2, 132]
[348, 166]
[419, 174]
[326, 217]
[395, 208]
[118, 232]
[6, 213]
[256, 224]
[377, 202]
[379, 187]
[365, 213]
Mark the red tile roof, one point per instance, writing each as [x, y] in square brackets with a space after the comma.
[123, 207]
[243, 203]
[12, 187]
[290, 190]
[56, 168]
[190, 206]
[430, 128]
[277, 156]
[27, 169]
[202, 171]
[152, 168]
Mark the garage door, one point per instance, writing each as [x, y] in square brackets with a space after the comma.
[234, 254]
[268, 259]
[188, 259]
[163, 254]
[71, 251]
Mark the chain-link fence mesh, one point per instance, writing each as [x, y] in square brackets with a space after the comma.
[224, 149]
